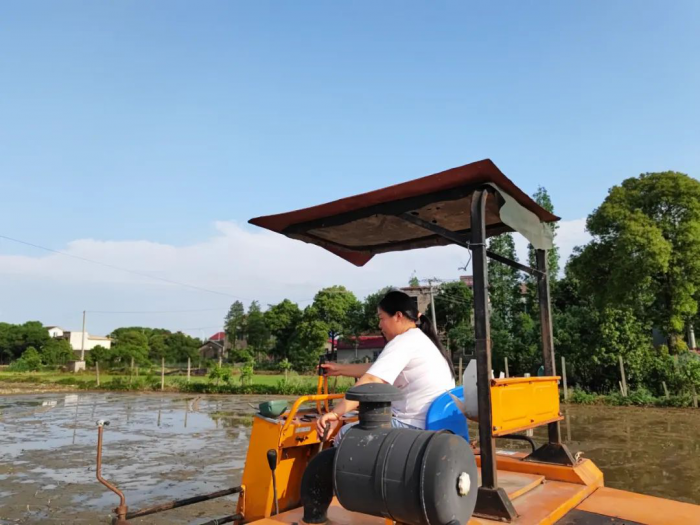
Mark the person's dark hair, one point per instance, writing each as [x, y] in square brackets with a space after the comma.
[396, 301]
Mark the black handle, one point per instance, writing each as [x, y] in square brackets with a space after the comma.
[321, 361]
[272, 459]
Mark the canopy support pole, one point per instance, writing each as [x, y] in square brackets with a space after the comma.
[554, 451]
[492, 501]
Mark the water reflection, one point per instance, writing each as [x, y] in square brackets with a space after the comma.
[648, 450]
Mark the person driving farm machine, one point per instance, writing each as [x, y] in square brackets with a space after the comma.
[413, 360]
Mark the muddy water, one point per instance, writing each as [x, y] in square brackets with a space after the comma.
[156, 448]
[166, 447]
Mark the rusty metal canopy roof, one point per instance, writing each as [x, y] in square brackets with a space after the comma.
[357, 228]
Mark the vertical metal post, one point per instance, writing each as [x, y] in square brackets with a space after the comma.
[432, 307]
[482, 330]
[82, 345]
[553, 451]
[162, 374]
[491, 501]
[550, 365]
[507, 371]
[189, 368]
[563, 376]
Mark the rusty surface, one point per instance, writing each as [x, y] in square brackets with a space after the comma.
[182, 502]
[122, 509]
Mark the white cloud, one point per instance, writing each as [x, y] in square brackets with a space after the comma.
[238, 262]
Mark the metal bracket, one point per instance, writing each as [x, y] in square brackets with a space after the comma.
[556, 453]
[494, 504]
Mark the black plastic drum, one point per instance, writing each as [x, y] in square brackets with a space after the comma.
[416, 477]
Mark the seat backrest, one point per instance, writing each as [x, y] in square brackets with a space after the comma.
[444, 414]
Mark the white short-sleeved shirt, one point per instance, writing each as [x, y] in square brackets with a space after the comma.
[414, 365]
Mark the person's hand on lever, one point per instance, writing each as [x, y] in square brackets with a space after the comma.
[325, 419]
[333, 369]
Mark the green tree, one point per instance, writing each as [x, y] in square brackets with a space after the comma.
[130, 344]
[308, 342]
[30, 361]
[454, 304]
[370, 321]
[282, 320]
[157, 347]
[6, 346]
[258, 333]
[234, 323]
[99, 354]
[56, 352]
[645, 254]
[247, 373]
[180, 347]
[285, 366]
[542, 198]
[331, 306]
[505, 291]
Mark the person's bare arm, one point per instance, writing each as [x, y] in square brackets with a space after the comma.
[347, 370]
[344, 406]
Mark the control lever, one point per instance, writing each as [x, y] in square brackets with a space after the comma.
[272, 462]
[325, 436]
[322, 386]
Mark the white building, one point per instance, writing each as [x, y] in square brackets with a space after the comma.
[55, 331]
[76, 339]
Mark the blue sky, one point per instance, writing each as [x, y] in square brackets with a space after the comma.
[156, 123]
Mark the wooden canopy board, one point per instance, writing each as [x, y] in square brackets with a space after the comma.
[357, 228]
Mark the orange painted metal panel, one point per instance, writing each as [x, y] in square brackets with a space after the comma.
[583, 473]
[521, 403]
[640, 508]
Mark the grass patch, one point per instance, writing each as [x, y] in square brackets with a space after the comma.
[265, 384]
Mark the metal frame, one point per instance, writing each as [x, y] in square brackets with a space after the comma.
[492, 500]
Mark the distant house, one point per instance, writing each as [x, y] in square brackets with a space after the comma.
[75, 339]
[55, 331]
[365, 348]
[91, 341]
[216, 346]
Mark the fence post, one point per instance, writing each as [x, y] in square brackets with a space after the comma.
[563, 375]
[507, 373]
[624, 379]
[131, 371]
[162, 374]
[665, 389]
[459, 377]
[97, 371]
[189, 366]
[695, 398]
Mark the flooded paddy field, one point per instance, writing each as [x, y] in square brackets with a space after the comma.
[162, 447]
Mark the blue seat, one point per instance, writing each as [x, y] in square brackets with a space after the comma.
[444, 414]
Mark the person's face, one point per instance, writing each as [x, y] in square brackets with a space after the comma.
[391, 325]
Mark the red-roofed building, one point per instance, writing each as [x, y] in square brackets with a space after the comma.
[367, 348]
[216, 346]
[218, 336]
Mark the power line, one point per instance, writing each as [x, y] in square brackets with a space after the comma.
[113, 267]
[157, 311]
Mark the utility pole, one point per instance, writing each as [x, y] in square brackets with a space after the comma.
[432, 305]
[82, 346]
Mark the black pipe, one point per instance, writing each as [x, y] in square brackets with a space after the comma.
[317, 486]
[181, 503]
[225, 519]
[520, 437]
